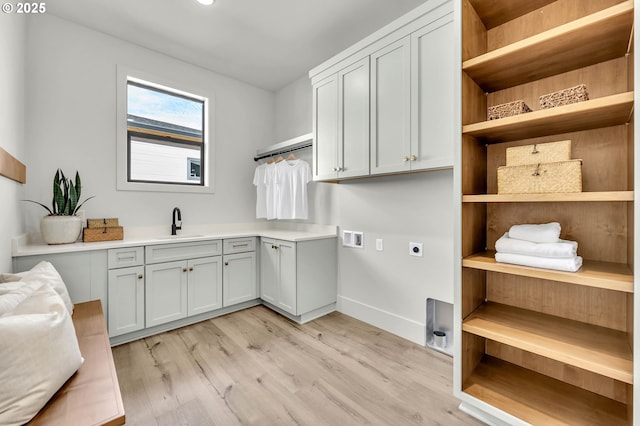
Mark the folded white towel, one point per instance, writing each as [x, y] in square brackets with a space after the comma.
[561, 249]
[542, 233]
[566, 264]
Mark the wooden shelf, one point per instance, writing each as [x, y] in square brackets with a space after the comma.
[590, 40]
[539, 399]
[601, 112]
[496, 12]
[550, 198]
[606, 275]
[597, 349]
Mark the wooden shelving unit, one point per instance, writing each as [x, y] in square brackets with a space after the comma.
[543, 401]
[607, 275]
[546, 346]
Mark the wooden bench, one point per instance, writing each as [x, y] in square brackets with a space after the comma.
[92, 395]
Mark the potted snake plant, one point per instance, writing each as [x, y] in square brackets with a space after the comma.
[61, 225]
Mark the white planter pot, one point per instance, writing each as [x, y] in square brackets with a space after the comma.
[60, 229]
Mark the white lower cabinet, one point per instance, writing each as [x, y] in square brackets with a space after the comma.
[299, 278]
[239, 282]
[126, 300]
[125, 305]
[175, 290]
[188, 285]
[278, 274]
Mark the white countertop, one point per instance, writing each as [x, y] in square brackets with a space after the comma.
[25, 245]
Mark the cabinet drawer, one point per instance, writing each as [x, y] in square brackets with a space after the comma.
[125, 257]
[181, 251]
[239, 245]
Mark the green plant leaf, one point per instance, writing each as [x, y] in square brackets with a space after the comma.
[82, 203]
[78, 185]
[58, 195]
[40, 204]
[66, 195]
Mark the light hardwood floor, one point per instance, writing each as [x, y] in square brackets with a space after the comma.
[255, 367]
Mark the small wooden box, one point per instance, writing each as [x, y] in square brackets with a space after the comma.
[102, 223]
[539, 153]
[507, 110]
[564, 97]
[562, 176]
[112, 233]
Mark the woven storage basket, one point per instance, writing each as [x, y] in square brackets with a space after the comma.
[564, 97]
[113, 233]
[563, 176]
[507, 110]
[540, 153]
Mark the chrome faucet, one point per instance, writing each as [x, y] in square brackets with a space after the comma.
[175, 227]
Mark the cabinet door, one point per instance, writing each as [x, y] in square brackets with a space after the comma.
[204, 285]
[432, 68]
[287, 283]
[239, 280]
[268, 270]
[126, 300]
[325, 128]
[390, 108]
[353, 119]
[165, 292]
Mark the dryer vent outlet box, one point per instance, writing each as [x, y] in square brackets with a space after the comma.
[353, 239]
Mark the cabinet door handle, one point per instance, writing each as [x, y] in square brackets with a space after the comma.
[184, 269]
[226, 263]
[240, 245]
[414, 158]
[405, 158]
[191, 269]
[335, 169]
[140, 276]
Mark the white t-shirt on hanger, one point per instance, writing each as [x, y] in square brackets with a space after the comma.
[261, 191]
[292, 177]
[271, 191]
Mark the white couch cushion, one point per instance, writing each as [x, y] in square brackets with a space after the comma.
[45, 272]
[38, 354]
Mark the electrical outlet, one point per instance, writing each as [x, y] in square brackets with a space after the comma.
[415, 249]
[358, 239]
[379, 244]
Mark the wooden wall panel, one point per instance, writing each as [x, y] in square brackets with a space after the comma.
[543, 19]
[599, 228]
[474, 33]
[575, 376]
[605, 308]
[603, 79]
[11, 168]
[604, 153]
[474, 290]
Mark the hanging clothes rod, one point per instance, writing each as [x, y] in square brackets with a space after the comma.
[301, 142]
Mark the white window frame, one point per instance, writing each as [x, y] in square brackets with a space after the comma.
[124, 75]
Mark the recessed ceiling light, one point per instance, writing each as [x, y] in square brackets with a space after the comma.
[206, 2]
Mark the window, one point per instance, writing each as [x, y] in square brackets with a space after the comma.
[163, 145]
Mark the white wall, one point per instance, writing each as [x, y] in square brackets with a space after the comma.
[12, 84]
[294, 109]
[388, 289]
[71, 105]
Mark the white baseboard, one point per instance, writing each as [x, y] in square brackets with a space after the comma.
[400, 326]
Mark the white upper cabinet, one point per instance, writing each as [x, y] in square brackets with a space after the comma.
[385, 105]
[341, 119]
[325, 128]
[353, 120]
[432, 95]
[390, 108]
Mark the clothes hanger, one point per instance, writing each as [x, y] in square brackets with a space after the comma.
[279, 159]
[291, 156]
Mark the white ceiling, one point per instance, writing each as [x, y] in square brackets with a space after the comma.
[267, 43]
